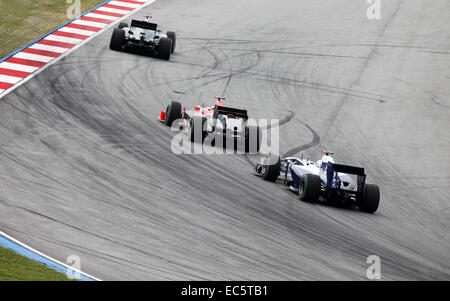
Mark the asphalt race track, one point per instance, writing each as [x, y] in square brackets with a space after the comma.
[86, 168]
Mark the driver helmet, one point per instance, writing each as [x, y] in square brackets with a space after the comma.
[326, 158]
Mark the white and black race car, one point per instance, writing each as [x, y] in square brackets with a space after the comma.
[218, 123]
[323, 180]
[143, 37]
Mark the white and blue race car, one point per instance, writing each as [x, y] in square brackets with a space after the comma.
[322, 180]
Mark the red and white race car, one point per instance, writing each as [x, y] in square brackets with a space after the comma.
[216, 121]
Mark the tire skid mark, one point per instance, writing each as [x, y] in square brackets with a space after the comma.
[300, 54]
[315, 140]
[302, 83]
[211, 67]
[282, 121]
[361, 71]
[243, 70]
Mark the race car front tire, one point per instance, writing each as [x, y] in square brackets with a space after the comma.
[271, 172]
[197, 131]
[171, 35]
[165, 48]
[370, 198]
[309, 188]
[122, 25]
[117, 39]
[173, 112]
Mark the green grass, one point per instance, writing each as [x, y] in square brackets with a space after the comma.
[14, 267]
[23, 21]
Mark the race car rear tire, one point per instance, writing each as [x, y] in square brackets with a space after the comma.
[171, 35]
[165, 48]
[370, 198]
[249, 140]
[272, 172]
[117, 39]
[173, 112]
[198, 131]
[310, 188]
[122, 25]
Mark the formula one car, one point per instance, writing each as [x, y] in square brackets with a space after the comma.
[323, 180]
[219, 122]
[143, 37]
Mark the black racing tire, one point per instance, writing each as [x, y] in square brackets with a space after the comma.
[310, 188]
[198, 126]
[249, 131]
[117, 39]
[165, 48]
[122, 25]
[370, 198]
[172, 35]
[272, 172]
[173, 112]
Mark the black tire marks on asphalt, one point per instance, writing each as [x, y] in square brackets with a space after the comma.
[314, 142]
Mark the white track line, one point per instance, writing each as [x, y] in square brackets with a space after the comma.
[9, 79]
[99, 16]
[92, 23]
[114, 10]
[77, 31]
[34, 57]
[43, 255]
[124, 4]
[48, 48]
[57, 38]
[18, 67]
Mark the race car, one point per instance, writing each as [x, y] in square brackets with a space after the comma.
[143, 37]
[322, 180]
[219, 122]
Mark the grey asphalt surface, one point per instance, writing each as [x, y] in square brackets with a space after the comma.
[87, 169]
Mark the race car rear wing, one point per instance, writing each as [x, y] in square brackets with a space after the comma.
[235, 113]
[143, 24]
[353, 170]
